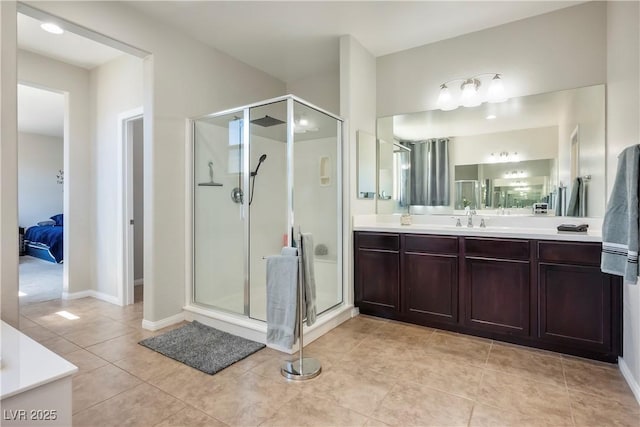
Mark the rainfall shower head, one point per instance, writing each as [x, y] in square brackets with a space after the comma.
[262, 159]
[267, 121]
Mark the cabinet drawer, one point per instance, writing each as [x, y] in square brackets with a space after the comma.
[570, 252]
[437, 244]
[497, 248]
[378, 241]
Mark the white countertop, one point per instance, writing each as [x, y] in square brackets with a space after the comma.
[27, 364]
[513, 227]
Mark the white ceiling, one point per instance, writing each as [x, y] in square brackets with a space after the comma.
[40, 111]
[288, 40]
[293, 40]
[68, 47]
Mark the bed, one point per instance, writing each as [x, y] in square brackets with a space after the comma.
[44, 240]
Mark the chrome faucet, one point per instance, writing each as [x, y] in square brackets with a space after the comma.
[470, 213]
[482, 224]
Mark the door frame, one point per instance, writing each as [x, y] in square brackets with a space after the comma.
[125, 174]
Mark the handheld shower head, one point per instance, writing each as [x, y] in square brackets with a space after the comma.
[262, 159]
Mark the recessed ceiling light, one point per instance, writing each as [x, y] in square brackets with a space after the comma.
[491, 116]
[52, 28]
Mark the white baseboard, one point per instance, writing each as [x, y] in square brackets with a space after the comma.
[138, 282]
[256, 330]
[162, 323]
[628, 376]
[91, 293]
[241, 326]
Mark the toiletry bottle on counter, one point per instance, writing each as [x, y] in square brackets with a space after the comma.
[405, 219]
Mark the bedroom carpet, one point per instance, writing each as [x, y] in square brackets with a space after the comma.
[202, 347]
[39, 280]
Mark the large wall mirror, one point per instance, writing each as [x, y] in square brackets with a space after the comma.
[527, 153]
[366, 170]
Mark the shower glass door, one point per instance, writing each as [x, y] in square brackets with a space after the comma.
[220, 213]
[317, 196]
[268, 188]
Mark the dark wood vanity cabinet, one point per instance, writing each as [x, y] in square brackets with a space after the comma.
[429, 278]
[579, 306]
[546, 294]
[377, 267]
[496, 285]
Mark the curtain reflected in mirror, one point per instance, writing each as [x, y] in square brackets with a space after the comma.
[429, 176]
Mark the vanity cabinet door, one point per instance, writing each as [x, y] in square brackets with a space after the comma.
[429, 284]
[497, 295]
[575, 306]
[497, 285]
[377, 274]
[579, 306]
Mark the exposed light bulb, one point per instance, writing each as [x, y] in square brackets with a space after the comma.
[52, 28]
[445, 100]
[470, 96]
[496, 92]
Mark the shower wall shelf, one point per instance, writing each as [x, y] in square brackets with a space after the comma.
[325, 171]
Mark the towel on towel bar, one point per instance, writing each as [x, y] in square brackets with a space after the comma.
[578, 201]
[309, 278]
[282, 301]
[620, 225]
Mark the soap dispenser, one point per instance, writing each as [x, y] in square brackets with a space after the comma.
[405, 218]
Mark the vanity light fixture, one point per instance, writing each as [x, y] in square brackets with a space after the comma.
[496, 92]
[445, 100]
[52, 28]
[504, 157]
[470, 95]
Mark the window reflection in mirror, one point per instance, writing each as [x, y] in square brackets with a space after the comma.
[505, 156]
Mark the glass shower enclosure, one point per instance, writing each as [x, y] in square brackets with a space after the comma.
[262, 174]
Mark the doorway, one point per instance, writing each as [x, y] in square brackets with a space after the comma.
[132, 142]
[41, 134]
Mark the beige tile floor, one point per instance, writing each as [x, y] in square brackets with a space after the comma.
[375, 373]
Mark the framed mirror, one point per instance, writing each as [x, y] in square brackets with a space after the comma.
[366, 169]
[526, 153]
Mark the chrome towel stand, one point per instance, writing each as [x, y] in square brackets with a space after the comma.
[304, 368]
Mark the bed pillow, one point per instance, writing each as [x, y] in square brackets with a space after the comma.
[58, 219]
[48, 222]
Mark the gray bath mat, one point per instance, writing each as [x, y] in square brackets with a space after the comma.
[202, 347]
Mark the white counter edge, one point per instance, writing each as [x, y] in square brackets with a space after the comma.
[51, 372]
[531, 234]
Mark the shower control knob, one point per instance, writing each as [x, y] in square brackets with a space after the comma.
[237, 195]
